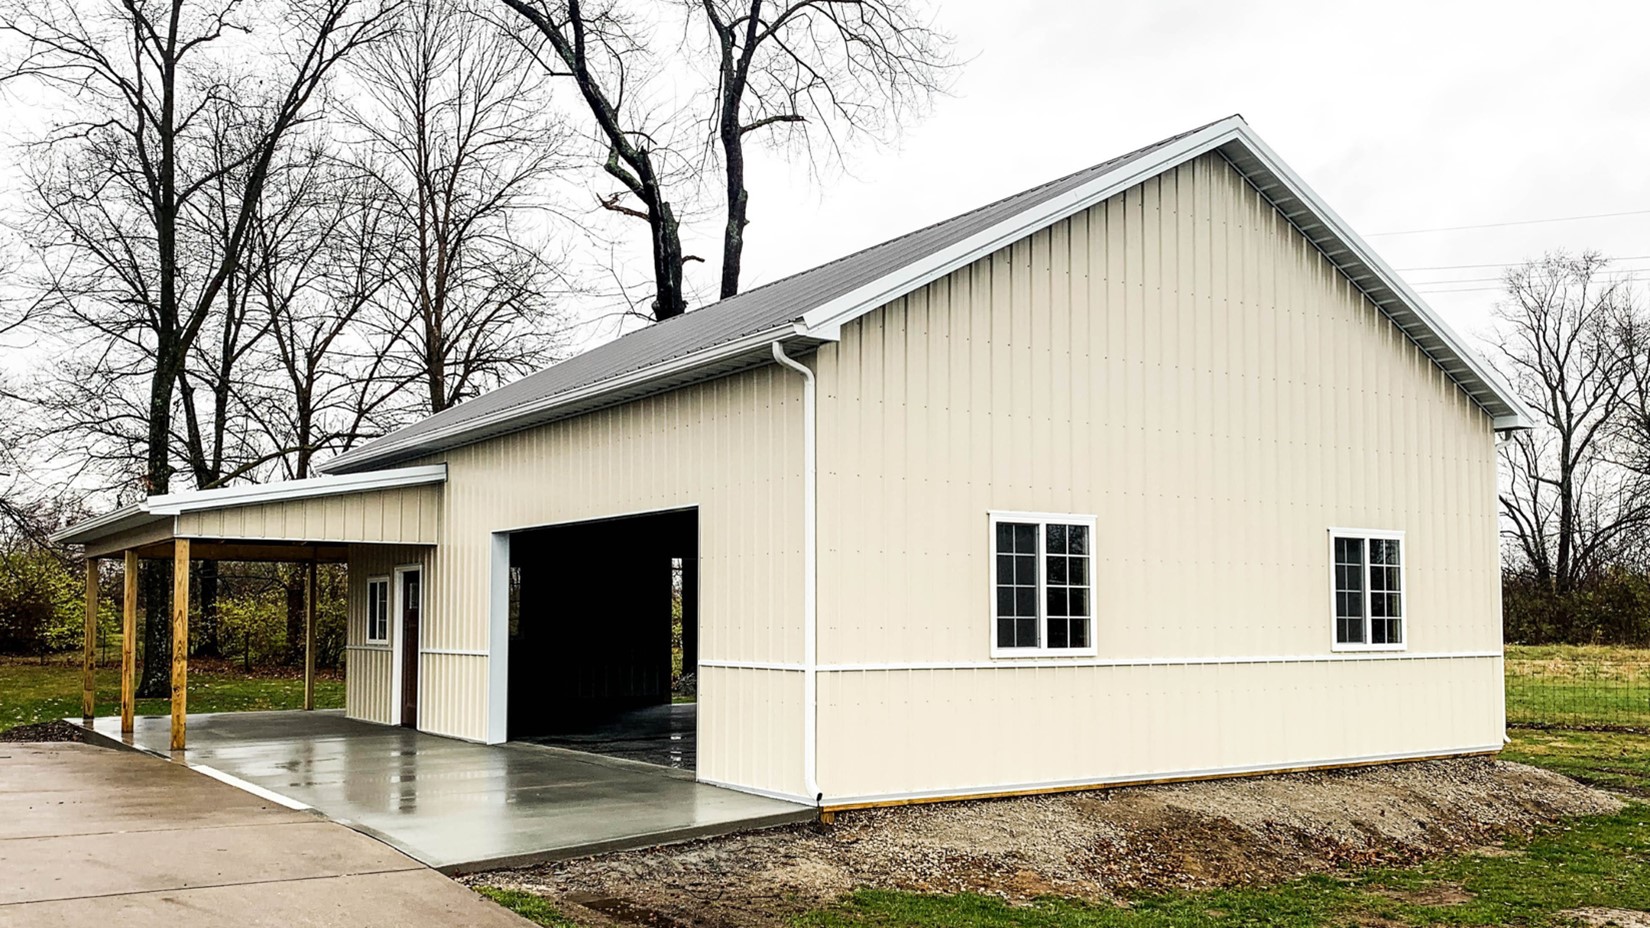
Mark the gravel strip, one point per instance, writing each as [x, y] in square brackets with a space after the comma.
[1100, 845]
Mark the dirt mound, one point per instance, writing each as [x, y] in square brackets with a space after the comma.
[54, 730]
[1094, 845]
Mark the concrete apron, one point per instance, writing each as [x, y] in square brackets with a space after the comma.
[96, 837]
[456, 806]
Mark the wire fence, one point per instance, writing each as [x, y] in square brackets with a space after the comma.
[1578, 686]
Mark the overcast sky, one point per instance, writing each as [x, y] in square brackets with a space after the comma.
[1401, 115]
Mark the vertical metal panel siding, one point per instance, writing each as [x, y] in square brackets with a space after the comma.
[734, 703]
[369, 668]
[409, 515]
[1181, 363]
[732, 447]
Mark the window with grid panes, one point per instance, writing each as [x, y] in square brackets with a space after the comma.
[1368, 578]
[1043, 583]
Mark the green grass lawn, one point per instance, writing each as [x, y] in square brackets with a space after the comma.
[31, 692]
[1578, 685]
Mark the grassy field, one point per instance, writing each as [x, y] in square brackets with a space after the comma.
[32, 692]
[1578, 685]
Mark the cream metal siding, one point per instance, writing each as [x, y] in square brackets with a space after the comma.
[369, 670]
[750, 729]
[409, 515]
[731, 447]
[1181, 363]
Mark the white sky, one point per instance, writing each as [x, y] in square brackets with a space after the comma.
[1402, 115]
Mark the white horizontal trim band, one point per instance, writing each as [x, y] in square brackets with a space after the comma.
[1010, 663]
[752, 665]
[367, 647]
[1150, 777]
[460, 652]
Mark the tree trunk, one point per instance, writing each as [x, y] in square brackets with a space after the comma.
[209, 645]
[733, 235]
[294, 582]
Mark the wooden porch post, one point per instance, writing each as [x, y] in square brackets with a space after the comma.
[309, 637]
[128, 644]
[180, 640]
[88, 657]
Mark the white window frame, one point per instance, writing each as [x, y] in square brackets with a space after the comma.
[384, 579]
[1367, 535]
[1042, 520]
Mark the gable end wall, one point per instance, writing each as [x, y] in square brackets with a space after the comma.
[1182, 364]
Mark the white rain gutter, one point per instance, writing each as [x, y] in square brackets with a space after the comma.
[810, 577]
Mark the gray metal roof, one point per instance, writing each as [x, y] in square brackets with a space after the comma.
[735, 333]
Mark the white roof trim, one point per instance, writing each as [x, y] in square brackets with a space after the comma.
[156, 508]
[177, 503]
[826, 320]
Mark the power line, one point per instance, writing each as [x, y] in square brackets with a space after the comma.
[1465, 267]
[1515, 222]
[1618, 274]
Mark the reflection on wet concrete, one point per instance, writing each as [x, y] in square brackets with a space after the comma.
[456, 805]
[662, 735]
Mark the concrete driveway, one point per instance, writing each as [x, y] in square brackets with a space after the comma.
[93, 836]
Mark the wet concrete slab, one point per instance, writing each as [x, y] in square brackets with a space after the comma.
[212, 855]
[455, 805]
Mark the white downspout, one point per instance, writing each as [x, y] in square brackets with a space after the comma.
[810, 574]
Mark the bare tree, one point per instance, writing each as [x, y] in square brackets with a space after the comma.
[459, 144]
[318, 267]
[599, 49]
[1565, 341]
[113, 185]
[840, 66]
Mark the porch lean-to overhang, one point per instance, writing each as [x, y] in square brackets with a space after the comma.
[311, 521]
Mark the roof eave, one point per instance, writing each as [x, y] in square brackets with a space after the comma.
[707, 364]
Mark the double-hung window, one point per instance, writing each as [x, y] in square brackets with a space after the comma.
[1367, 578]
[1042, 584]
[378, 609]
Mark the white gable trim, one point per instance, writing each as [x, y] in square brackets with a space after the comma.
[826, 321]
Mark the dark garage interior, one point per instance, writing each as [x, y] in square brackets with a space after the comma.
[592, 643]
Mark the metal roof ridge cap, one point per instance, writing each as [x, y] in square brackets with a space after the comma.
[886, 288]
[639, 375]
[305, 488]
[1362, 251]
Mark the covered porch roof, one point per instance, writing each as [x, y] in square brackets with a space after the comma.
[293, 520]
[311, 521]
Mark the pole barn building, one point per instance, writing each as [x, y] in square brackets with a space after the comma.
[1153, 471]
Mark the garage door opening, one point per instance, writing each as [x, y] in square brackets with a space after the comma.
[604, 636]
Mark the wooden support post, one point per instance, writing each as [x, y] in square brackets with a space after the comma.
[88, 657]
[309, 636]
[128, 645]
[180, 641]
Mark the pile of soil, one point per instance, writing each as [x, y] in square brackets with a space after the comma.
[1097, 845]
[54, 730]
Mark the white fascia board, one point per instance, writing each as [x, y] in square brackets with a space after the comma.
[1520, 417]
[177, 503]
[129, 515]
[546, 404]
[826, 320]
